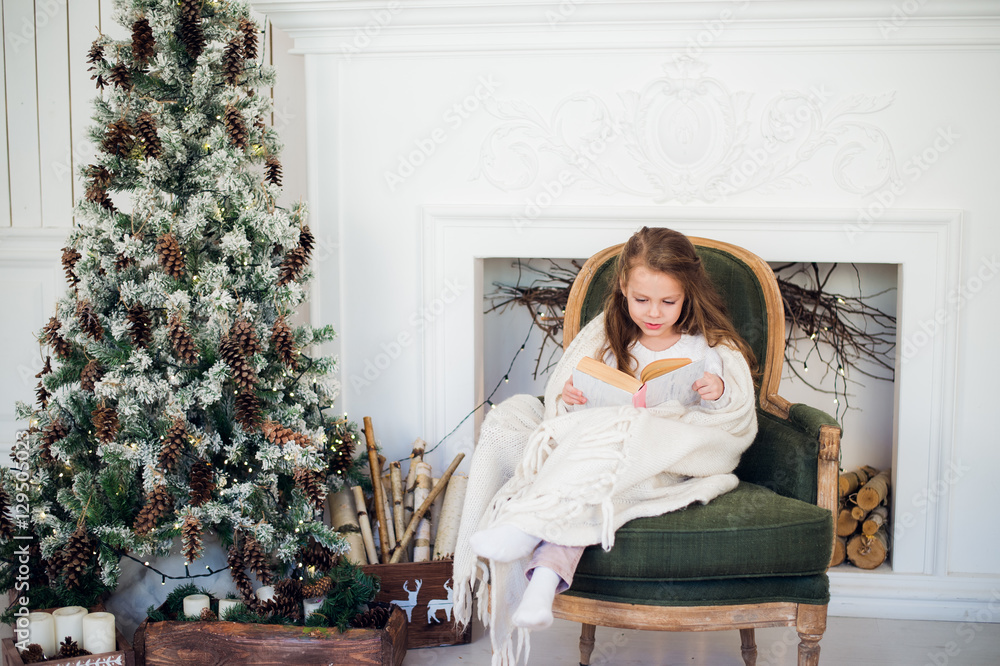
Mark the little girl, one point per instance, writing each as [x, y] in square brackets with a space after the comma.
[546, 484]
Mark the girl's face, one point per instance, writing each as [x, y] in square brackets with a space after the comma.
[654, 304]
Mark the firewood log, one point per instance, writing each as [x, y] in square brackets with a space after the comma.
[875, 492]
[839, 551]
[450, 518]
[366, 526]
[846, 523]
[422, 540]
[344, 518]
[878, 518]
[851, 481]
[868, 552]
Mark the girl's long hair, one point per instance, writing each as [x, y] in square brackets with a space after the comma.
[702, 312]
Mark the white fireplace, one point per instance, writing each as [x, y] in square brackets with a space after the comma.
[442, 134]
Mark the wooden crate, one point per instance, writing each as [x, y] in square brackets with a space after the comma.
[424, 590]
[173, 643]
[123, 656]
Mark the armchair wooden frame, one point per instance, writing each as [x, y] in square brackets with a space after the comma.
[808, 619]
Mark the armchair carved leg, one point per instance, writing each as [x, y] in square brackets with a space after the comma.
[749, 647]
[586, 643]
[810, 624]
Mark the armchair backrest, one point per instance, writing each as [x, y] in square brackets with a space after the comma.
[748, 289]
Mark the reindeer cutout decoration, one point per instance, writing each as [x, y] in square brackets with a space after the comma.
[434, 605]
[409, 603]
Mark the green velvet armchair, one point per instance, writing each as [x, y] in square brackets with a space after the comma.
[755, 557]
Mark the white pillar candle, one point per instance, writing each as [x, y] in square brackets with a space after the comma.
[41, 630]
[226, 604]
[99, 633]
[69, 623]
[310, 606]
[195, 603]
[265, 593]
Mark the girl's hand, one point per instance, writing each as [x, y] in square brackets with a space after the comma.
[572, 395]
[709, 387]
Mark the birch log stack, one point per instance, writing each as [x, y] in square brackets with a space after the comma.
[863, 522]
[344, 518]
[450, 518]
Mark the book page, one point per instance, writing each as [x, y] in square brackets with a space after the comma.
[675, 385]
[599, 393]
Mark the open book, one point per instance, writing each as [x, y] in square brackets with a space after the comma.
[660, 381]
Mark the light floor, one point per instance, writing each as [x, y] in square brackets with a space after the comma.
[847, 642]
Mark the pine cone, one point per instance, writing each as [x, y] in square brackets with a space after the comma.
[77, 555]
[207, 615]
[141, 325]
[374, 618]
[242, 332]
[189, 29]
[33, 654]
[283, 342]
[232, 61]
[95, 56]
[118, 139]
[256, 559]
[248, 411]
[317, 555]
[69, 258]
[173, 444]
[184, 345]
[313, 484]
[272, 171]
[121, 77]
[292, 266]
[307, 241]
[243, 373]
[122, 262]
[237, 571]
[287, 595]
[51, 337]
[202, 482]
[106, 425]
[89, 322]
[317, 588]
[280, 435]
[90, 375]
[145, 130]
[97, 188]
[235, 127]
[6, 524]
[143, 42]
[343, 453]
[171, 256]
[249, 30]
[69, 649]
[42, 395]
[258, 124]
[52, 433]
[191, 538]
[158, 504]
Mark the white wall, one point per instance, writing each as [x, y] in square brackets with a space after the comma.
[46, 102]
[892, 83]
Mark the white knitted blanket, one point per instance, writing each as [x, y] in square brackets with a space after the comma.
[573, 478]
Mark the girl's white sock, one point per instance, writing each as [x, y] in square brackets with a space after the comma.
[535, 609]
[503, 543]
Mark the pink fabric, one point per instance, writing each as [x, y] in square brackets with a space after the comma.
[561, 559]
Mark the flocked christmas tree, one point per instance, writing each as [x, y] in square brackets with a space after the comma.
[177, 397]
